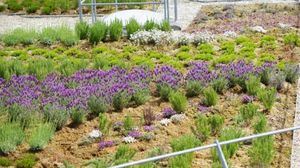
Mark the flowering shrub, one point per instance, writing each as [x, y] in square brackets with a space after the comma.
[106, 144]
[168, 112]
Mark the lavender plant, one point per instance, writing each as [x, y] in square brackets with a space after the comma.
[210, 97]
[262, 152]
[248, 111]
[11, 135]
[193, 88]
[216, 123]
[77, 116]
[121, 100]
[128, 123]
[40, 136]
[168, 112]
[97, 105]
[131, 27]
[178, 101]
[115, 30]
[252, 85]
[202, 130]
[58, 116]
[124, 154]
[141, 96]
[261, 124]
[98, 32]
[277, 80]
[164, 92]
[104, 123]
[82, 30]
[267, 97]
[220, 84]
[291, 73]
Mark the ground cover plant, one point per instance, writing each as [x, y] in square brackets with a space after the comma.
[103, 103]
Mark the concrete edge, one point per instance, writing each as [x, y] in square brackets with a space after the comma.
[295, 156]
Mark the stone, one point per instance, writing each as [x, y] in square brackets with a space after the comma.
[141, 16]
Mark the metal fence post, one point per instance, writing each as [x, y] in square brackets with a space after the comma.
[80, 10]
[175, 10]
[153, 6]
[116, 1]
[168, 11]
[95, 11]
[221, 155]
[165, 9]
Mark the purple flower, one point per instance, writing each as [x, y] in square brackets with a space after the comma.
[203, 109]
[148, 128]
[168, 112]
[106, 144]
[247, 99]
[135, 134]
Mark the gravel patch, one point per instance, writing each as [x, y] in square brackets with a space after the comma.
[295, 158]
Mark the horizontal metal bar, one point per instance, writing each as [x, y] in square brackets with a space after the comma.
[205, 147]
[121, 3]
[82, 1]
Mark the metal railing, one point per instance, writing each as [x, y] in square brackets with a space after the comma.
[94, 5]
[217, 145]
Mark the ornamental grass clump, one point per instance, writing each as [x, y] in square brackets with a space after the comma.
[82, 30]
[131, 27]
[261, 124]
[97, 105]
[27, 161]
[262, 152]
[220, 84]
[252, 85]
[40, 136]
[164, 92]
[128, 123]
[141, 96]
[121, 100]
[98, 32]
[124, 154]
[66, 36]
[40, 67]
[19, 36]
[291, 73]
[165, 26]
[267, 97]
[104, 123]
[210, 97]
[77, 116]
[11, 135]
[247, 112]
[193, 88]
[265, 76]
[216, 123]
[202, 128]
[57, 116]
[178, 101]
[150, 25]
[182, 143]
[20, 114]
[48, 36]
[230, 149]
[115, 30]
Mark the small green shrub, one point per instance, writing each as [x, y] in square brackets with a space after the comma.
[97, 105]
[252, 85]
[292, 39]
[262, 152]
[184, 56]
[11, 135]
[291, 73]
[2, 7]
[132, 27]
[128, 123]
[268, 42]
[225, 59]
[220, 84]
[124, 154]
[20, 114]
[77, 116]
[150, 25]
[165, 26]
[216, 122]
[204, 57]
[193, 88]
[141, 96]
[182, 143]
[28, 161]
[56, 116]
[40, 136]
[115, 30]
[248, 111]
[230, 149]
[5, 162]
[210, 97]
[98, 32]
[121, 100]
[82, 30]
[48, 36]
[164, 92]
[104, 123]
[40, 67]
[66, 36]
[13, 5]
[202, 130]
[46, 10]
[97, 163]
[265, 76]
[206, 48]
[261, 124]
[19, 36]
[228, 47]
[267, 97]
[178, 101]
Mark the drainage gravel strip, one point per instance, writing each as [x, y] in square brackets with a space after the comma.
[295, 159]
